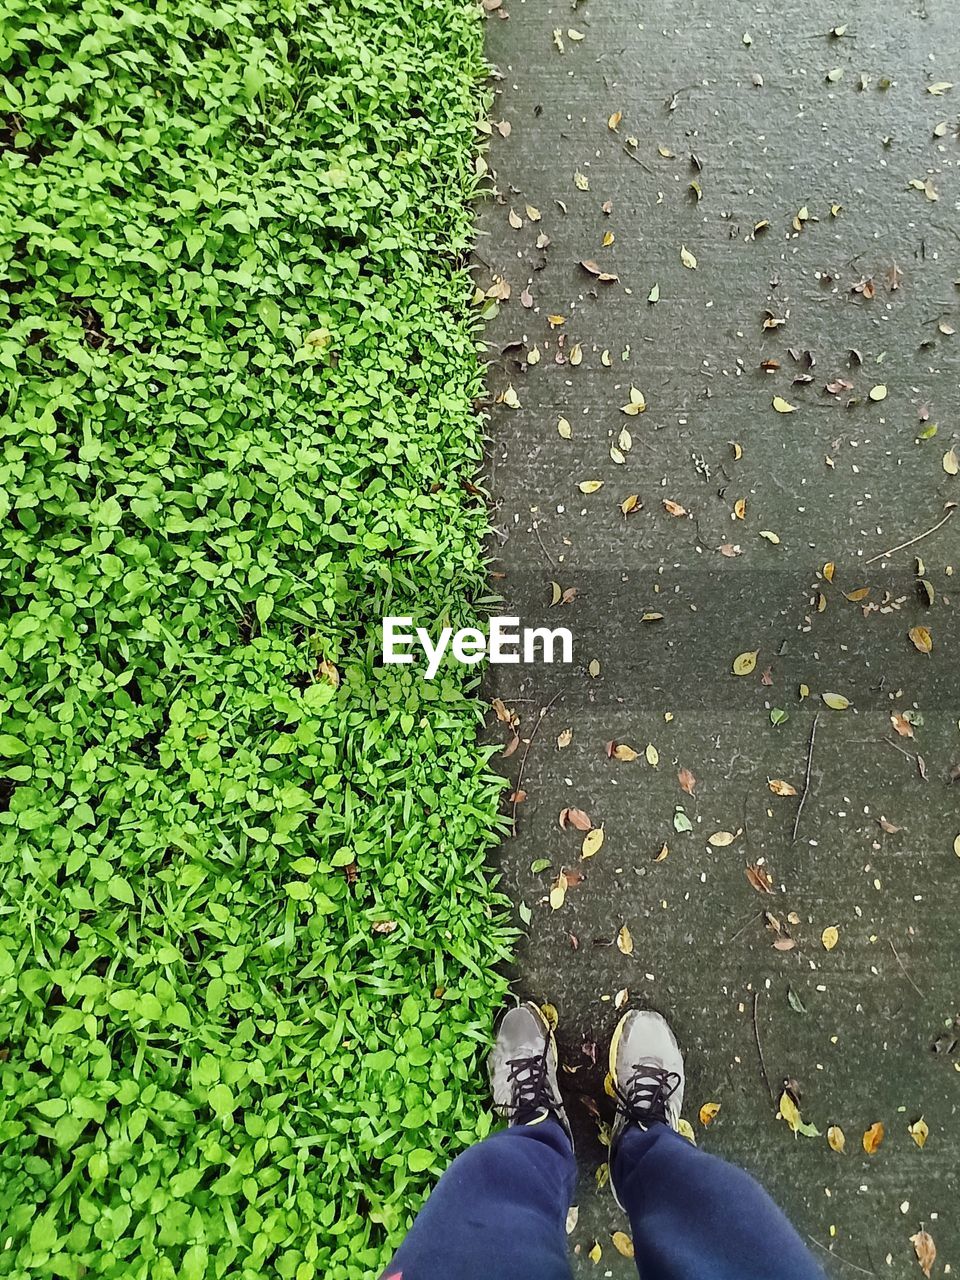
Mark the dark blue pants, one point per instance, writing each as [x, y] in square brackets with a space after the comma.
[499, 1213]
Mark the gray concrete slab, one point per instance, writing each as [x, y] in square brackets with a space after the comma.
[747, 102]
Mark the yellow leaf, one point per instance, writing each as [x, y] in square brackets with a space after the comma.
[559, 892]
[720, 839]
[940, 88]
[573, 1217]
[510, 398]
[685, 1130]
[830, 937]
[836, 1139]
[564, 739]
[665, 849]
[919, 1131]
[783, 406]
[608, 239]
[956, 846]
[922, 639]
[533, 213]
[596, 1253]
[709, 1112]
[592, 843]
[855, 597]
[770, 536]
[781, 788]
[835, 701]
[878, 392]
[740, 508]
[614, 120]
[625, 941]
[687, 258]
[636, 404]
[873, 1137]
[622, 1243]
[581, 181]
[629, 503]
[594, 668]
[790, 1111]
[746, 662]
[623, 752]
[576, 354]
[564, 429]
[551, 1016]
[602, 1175]
[608, 1086]
[652, 754]
[590, 486]
[829, 569]
[515, 220]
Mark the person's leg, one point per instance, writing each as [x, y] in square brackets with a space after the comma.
[499, 1212]
[695, 1217]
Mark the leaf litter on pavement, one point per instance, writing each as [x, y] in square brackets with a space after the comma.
[868, 392]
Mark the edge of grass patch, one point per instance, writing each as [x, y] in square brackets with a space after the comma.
[250, 946]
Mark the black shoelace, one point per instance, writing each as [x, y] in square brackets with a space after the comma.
[529, 1087]
[647, 1093]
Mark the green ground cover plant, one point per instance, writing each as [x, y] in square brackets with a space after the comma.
[247, 935]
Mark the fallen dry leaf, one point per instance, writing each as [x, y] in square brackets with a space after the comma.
[873, 1137]
[925, 1250]
[761, 880]
[781, 788]
[708, 1112]
[625, 941]
[746, 662]
[687, 781]
[674, 508]
[921, 639]
[622, 1243]
[830, 937]
[836, 1139]
[592, 842]
[919, 1131]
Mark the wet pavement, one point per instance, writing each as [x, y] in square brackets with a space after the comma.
[780, 206]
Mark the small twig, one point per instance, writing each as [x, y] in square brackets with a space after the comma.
[806, 780]
[846, 1261]
[903, 970]
[745, 928]
[756, 1035]
[550, 559]
[523, 760]
[911, 541]
[637, 158]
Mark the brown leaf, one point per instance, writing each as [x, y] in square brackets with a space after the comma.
[576, 818]
[596, 270]
[511, 747]
[674, 508]
[925, 1250]
[873, 1137]
[384, 926]
[784, 944]
[921, 638]
[889, 827]
[781, 788]
[687, 781]
[760, 879]
[902, 725]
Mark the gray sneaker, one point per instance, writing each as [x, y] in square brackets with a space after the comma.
[646, 1067]
[523, 1069]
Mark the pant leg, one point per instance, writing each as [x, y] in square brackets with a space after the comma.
[498, 1213]
[695, 1217]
